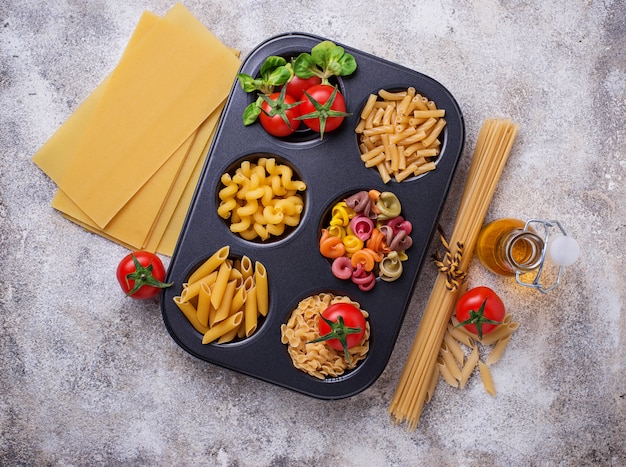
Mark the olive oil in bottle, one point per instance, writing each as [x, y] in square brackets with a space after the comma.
[505, 247]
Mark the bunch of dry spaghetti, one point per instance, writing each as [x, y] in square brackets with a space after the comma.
[493, 146]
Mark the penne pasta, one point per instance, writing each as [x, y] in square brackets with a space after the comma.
[204, 304]
[434, 379]
[450, 362]
[470, 365]
[231, 290]
[190, 312]
[498, 350]
[460, 336]
[210, 264]
[221, 281]
[251, 312]
[262, 291]
[446, 373]
[485, 375]
[222, 328]
[222, 308]
[191, 291]
[454, 348]
[502, 331]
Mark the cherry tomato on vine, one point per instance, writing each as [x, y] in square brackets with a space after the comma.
[323, 108]
[279, 113]
[341, 326]
[480, 311]
[296, 85]
[141, 275]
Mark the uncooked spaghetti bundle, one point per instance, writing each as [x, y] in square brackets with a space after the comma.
[493, 146]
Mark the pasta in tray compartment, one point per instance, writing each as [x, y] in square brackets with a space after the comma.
[261, 199]
[399, 134]
[366, 238]
[316, 358]
[225, 299]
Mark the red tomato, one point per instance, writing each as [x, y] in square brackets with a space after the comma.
[279, 113]
[480, 310]
[297, 85]
[323, 108]
[341, 326]
[140, 275]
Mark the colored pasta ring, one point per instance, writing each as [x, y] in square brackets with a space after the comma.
[390, 268]
[362, 226]
[365, 280]
[389, 206]
[342, 268]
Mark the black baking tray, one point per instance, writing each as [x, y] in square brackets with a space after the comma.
[332, 169]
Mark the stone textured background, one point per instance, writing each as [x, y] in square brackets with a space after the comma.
[88, 377]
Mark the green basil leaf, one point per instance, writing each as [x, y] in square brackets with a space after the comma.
[324, 52]
[251, 113]
[348, 65]
[304, 66]
[271, 63]
[247, 82]
[279, 76]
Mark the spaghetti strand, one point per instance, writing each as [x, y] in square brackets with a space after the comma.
[493, 146]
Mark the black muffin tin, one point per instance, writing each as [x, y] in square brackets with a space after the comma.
[332, 170]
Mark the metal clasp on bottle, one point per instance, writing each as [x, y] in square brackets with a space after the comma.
[563, 251]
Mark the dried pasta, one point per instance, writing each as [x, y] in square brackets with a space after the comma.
[318, 359]
[228, 301]
[261, 199]
[366, 237]
[493, 147]
[456, 369]
[485, 375]
[498, 350]
[399, 134]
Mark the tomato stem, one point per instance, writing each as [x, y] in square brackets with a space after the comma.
[477, 318]
[323, 111]
[339, 331]
[142, 276]
[279, 106]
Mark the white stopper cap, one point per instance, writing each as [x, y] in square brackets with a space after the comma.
[564, 250]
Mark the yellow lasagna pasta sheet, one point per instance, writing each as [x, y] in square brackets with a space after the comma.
[128, 158]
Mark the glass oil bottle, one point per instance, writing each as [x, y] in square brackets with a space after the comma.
[512, 247]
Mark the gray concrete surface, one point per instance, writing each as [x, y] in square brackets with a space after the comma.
[88, 377]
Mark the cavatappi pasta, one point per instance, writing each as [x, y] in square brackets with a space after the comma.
[399, 134]
[318, 359]
[224, 298]
[261, 199]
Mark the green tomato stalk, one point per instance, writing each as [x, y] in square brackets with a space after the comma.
[477, 318]
[339, 331]
[143, 276]
[279, 106]
[323, 111]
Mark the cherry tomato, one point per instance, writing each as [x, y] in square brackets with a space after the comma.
[323, 108]
[279, 113]
[297, 85]
[141, 275]
[341, 326]
[480, 311]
